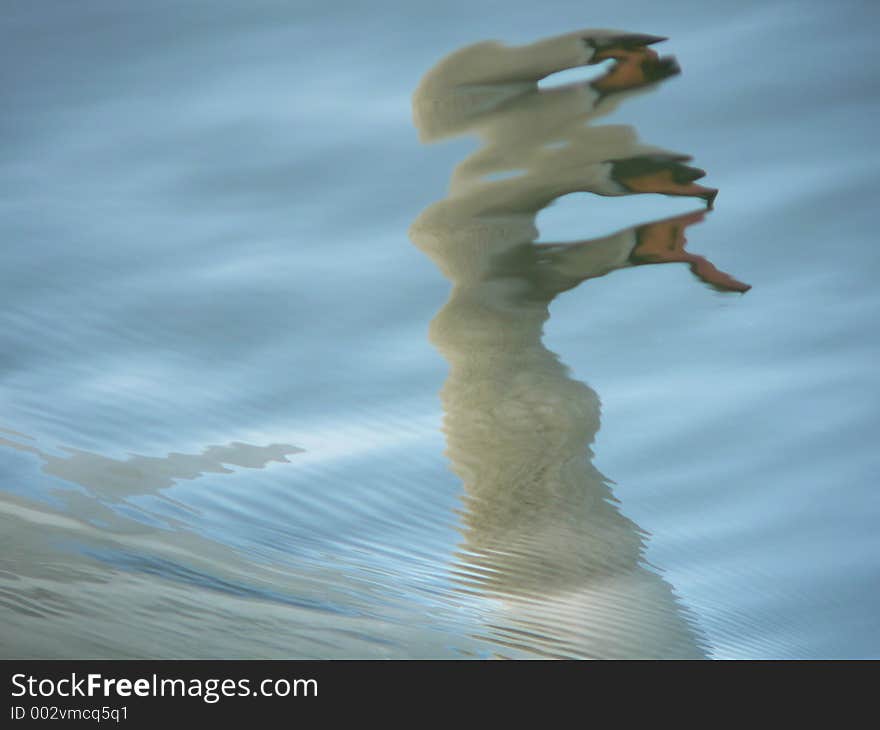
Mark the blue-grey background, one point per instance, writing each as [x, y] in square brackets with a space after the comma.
[204, 211]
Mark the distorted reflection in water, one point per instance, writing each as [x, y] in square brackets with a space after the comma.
[542, 531]
[221, 432]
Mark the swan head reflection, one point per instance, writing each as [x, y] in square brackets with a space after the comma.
[543, 537]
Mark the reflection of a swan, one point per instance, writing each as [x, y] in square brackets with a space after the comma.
[542, 533]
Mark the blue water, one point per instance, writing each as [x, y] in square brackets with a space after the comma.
[222, 428]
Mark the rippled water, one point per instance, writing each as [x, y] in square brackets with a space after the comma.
[245, 414]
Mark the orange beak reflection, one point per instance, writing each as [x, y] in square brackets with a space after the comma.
[666, 176]
[634, 68]
[663, 242]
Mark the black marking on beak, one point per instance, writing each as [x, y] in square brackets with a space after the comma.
[661, 69]
[627, 41]
[650, 164]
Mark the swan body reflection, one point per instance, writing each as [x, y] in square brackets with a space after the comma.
[542, 533]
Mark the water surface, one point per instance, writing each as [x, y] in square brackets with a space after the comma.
[223, 433]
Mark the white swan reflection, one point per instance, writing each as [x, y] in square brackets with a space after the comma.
[542, 534]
